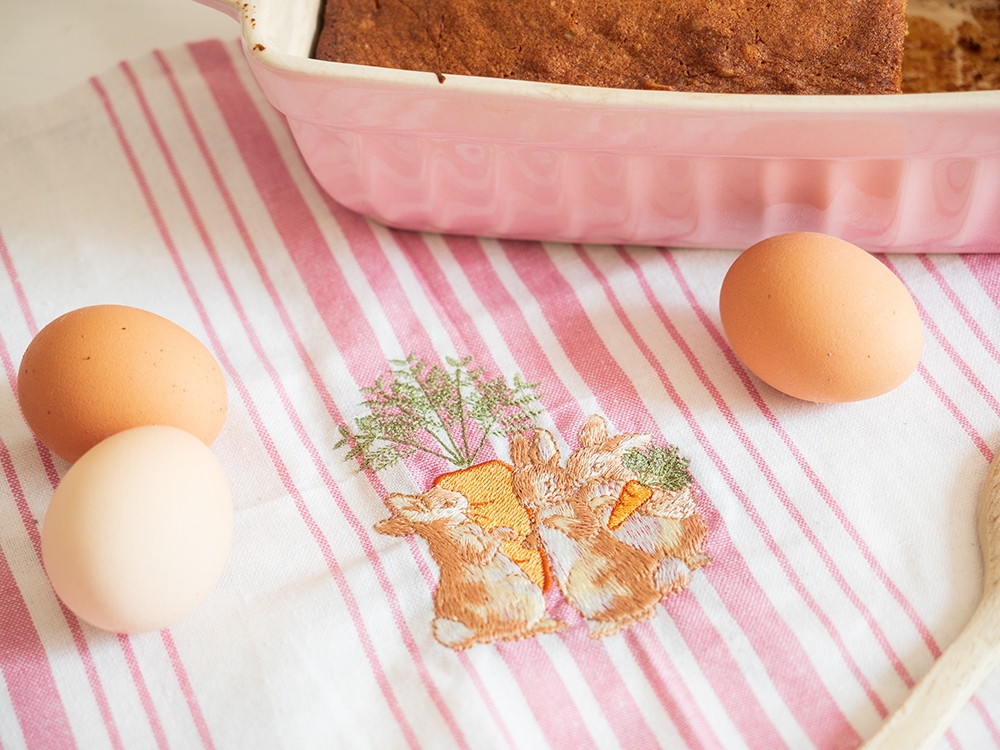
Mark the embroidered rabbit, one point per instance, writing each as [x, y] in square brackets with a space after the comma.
[609, 582]
[481, 596]
[666, 524]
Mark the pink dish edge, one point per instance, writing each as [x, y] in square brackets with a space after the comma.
[522, 160]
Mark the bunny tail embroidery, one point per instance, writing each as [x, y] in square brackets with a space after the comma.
[615, 528]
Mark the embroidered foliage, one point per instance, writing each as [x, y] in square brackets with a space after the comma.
[450, 413]
[658, 467]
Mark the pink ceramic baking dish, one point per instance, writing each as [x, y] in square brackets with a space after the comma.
[501, 158]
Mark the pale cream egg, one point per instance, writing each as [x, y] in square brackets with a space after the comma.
[138, 531]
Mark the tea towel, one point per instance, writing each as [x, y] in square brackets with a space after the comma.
[839, 548]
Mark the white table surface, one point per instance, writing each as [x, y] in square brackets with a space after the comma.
[52, 45]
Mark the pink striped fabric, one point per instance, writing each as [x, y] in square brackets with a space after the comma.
[842, 537]
[38, 708]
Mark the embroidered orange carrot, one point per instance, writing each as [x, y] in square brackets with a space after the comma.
[633, 495]
[492, 504]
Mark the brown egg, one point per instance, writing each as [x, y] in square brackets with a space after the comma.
[99, 370]
[820, 319]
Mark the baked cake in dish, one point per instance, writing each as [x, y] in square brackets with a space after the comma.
[726, 46]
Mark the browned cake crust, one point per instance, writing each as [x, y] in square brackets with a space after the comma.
[952, 45]
[729, 46]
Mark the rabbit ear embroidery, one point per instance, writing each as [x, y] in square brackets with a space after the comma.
[615, 527]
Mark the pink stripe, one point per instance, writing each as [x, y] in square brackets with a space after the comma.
[986, 270]
[29, 319]
[481, 688]
[187, 690]
[962, 420]
[302, 237]
[564, 726]
[707, 644]
[31, 528]
[728, 683]
[22, 299]
[27, 519]
[447, 307]
[963, 311]
[766, 470]
[591, 658]
[144, 697]
[599, 671]
[367, 251]
[668, 684]
[946, 345]
[775, 424]
[987, 719]
[258, 423]
[808, 699]
[602, 677]
[23, 661]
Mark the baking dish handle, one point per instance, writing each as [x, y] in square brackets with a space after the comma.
[229, 7]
